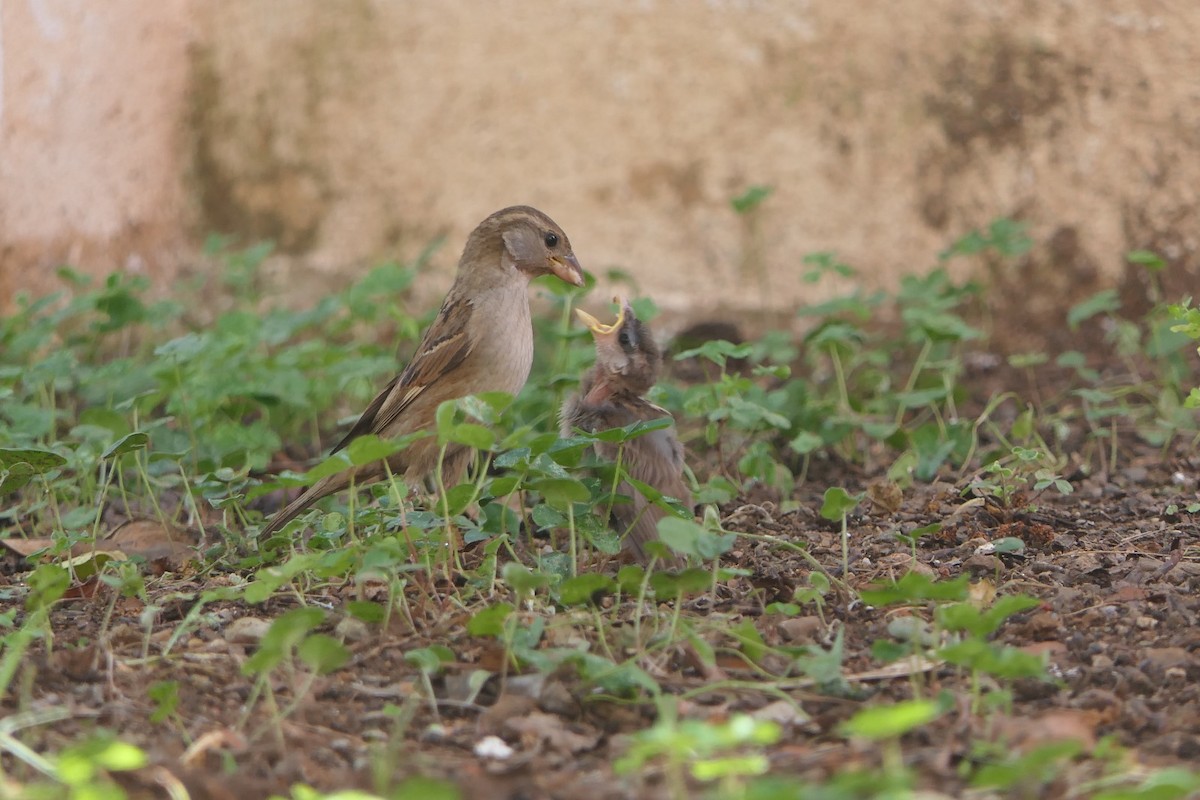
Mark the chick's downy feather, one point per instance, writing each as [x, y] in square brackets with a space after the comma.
[628, 363]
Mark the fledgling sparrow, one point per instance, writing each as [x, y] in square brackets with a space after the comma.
[628, 363]
[481, 341]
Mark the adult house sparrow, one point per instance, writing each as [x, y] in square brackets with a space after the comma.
[481, 341]
[628, 363]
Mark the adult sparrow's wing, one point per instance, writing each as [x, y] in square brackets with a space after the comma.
[441, 354]
[445, 347]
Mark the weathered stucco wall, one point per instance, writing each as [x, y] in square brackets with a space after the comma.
[354, 131]
[92, 96]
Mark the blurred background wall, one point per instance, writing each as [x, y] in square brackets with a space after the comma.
[356, 131]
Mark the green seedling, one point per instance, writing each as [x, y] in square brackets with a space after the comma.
[887, 723]
[288, 643]
[723, 753]
[836, 508]
[1005, 480]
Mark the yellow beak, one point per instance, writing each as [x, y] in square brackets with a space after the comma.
[599, 328]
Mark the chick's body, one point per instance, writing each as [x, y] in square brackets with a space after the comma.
[480, 341]
[628, 364]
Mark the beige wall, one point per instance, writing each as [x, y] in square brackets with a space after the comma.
[357, 130]
[92, 154]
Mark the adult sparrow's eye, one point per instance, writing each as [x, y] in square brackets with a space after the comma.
[551, 240]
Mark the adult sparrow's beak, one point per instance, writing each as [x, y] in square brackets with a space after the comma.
[599, 329]
[567, 268]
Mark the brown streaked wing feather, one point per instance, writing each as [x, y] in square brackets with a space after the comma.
[442, 350]
[366, 422]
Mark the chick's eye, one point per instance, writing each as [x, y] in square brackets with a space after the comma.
[623, 339]
[551, 240]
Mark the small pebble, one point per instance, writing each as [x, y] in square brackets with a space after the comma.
[493, 747]
[351, 629]
[800, 629]
[246, 630]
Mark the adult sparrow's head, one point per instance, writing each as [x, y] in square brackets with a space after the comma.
[525, 239]
[626, 354]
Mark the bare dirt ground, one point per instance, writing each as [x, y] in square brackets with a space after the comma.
[1116, 576]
